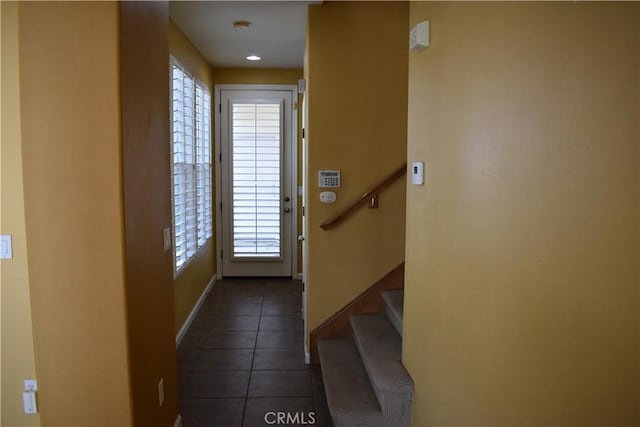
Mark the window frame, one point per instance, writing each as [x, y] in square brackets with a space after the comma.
[200, 215]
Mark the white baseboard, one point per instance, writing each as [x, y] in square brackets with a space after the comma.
[178, 422]
[307, 358]
[299, 276]
[196, 308]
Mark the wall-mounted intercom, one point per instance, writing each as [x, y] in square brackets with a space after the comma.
[329, 178]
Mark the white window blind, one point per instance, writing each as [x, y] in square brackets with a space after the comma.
[256, 164]
[203, 163]
[191, 164]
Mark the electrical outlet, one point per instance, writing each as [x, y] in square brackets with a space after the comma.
[29, 402]
[29, 397]
[161, 391]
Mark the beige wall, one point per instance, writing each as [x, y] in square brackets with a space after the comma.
[356, 70]
[189, 56]
[274, 76]
[18, 357]
[71, 139]
[193, 279]
[522, 298]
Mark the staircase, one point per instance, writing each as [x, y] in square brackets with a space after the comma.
[365, 382]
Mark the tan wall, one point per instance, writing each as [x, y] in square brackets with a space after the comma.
[184, 50]
[357, 103]
[71, 138]
[18, 357]
[274, 76]
[193, 279]
[144, 77]
[522, 298]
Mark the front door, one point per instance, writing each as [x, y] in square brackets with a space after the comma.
[256, 129]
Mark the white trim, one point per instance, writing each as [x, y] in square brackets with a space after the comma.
[194, 311]
[293, 170]
[307, 357]
[178, 422]
[293, 88]
[299, 275]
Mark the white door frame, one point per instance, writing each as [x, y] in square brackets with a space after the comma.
[293, 166]
[304, 147]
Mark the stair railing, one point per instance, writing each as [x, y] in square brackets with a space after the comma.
[370, 197]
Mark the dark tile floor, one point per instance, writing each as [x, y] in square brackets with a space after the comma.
[243, 359]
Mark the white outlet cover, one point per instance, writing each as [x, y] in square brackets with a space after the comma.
[29, 402]
[161, 391]
[166, 238]
[30, 385]
[6, 247]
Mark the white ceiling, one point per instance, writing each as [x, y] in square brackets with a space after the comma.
[277, 32]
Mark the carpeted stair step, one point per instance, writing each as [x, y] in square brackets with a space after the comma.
[351, 400]
[394, 302]
[380, 349]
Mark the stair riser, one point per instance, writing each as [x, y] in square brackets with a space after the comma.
[352, 404]
[393, 301]
[394, 318]
[393, 403]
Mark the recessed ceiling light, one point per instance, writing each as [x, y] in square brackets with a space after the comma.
[253, 58]
[241, 25]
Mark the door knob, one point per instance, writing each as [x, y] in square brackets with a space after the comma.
[287, 210]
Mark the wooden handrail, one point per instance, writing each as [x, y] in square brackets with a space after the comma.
[364, 199]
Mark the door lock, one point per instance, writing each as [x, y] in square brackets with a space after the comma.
[287, 198]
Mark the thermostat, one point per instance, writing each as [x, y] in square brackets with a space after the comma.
[417, 173]
[329, 178]
[419, 37]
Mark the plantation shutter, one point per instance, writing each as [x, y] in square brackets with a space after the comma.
[256, 164]
[203, 163]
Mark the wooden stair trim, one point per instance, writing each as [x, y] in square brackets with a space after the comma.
[368, 302]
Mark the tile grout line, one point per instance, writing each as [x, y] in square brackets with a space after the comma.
[255, 344]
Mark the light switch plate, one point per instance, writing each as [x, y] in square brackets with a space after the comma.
[6, 249]
[161, 391]
[166, 238]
